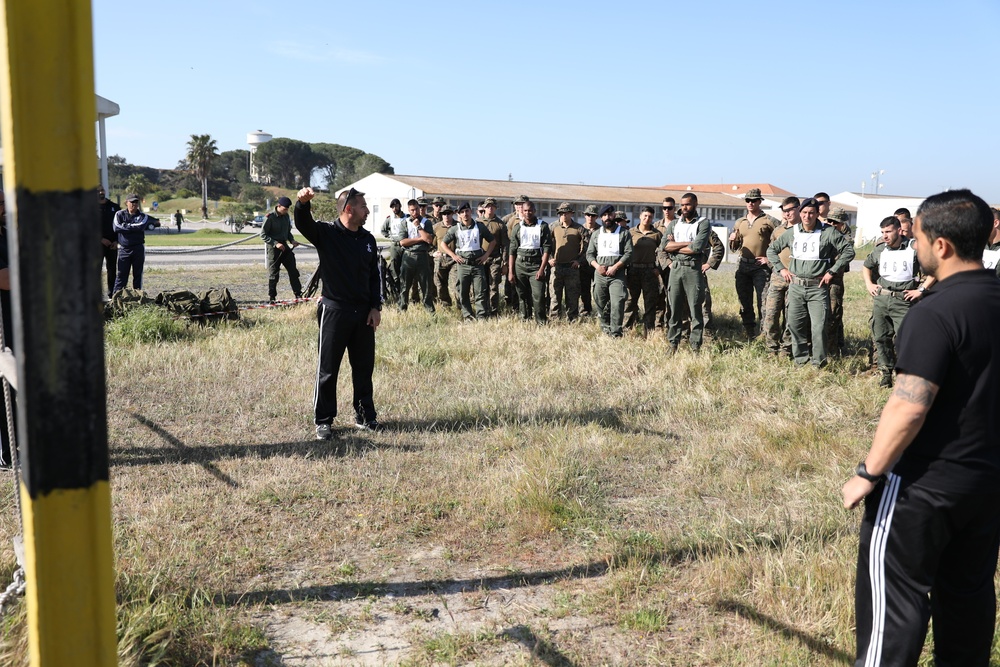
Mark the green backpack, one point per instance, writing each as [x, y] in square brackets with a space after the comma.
[124, 300]
[180, 302]
[218, 304]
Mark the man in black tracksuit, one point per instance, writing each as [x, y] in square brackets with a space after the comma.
[931, 480]
[130, 226]
[350, 309]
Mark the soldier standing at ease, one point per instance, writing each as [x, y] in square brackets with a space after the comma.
[415, 268]
[609, 252]
[835, 327]
[817, 254]
[394, 229]
[590, 225]
[776, 335]
[530, 247]
[686, 242]
[750, 238]
[443, 264]
[568, 254]
[463, 243]
[643, 275]
[278, 239]
[663, 263]
[891, 276]
[496, 264]
[511, 219]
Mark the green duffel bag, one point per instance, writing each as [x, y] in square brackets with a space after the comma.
[218, 304]
[124, 300]
[180, 302]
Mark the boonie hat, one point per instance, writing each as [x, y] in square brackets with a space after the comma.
[490, 201]
[753, 193]
[620, 216]
[591, 210]
[838, 214]
[565, 207]
[438, 201]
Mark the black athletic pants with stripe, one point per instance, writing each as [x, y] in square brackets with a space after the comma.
[344, 328]
[926, 554]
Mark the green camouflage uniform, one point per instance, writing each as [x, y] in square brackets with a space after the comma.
[776, 335]
[564, 278]
[467, 243]
[824, 250]
[415, 267]
[894, 270]
[687, 282]
[530, 245]
[835, 323]
[643, 278]
[497, 265]
[278, 229]
[610, 291]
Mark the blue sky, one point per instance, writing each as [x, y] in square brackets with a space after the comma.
[806, 95]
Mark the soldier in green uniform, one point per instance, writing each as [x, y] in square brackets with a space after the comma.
[686, 242]
[609, 252]
[443, 264]
[776, 335]
[835, 326]
[279, 242]
[511, 219]
[643, 275]
[991, 256]
[669, 208]
[463, 243]
[750, 237]
[891, 276]
[437, 210]
[817, 254]
[590, 225]
[496, 264]
[415, 268]
[568, 254]
[394, 229]
[530, 248]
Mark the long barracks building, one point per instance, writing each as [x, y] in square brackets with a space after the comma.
[380, 189]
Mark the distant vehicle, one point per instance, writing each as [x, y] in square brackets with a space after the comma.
[258, 221]
[151, 223]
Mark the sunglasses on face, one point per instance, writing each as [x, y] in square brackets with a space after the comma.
[668, 208]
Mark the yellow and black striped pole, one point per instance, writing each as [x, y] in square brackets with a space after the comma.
[50, 178]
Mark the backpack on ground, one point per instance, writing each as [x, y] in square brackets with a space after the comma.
[124, 300]
[218, 304]
[180, 302]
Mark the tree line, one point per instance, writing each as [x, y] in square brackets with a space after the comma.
[285, 163]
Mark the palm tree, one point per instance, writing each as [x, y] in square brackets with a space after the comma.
[201, 151]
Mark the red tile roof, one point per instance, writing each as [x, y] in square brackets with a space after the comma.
[735, 189]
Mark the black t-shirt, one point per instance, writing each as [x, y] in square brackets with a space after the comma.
[951, 337]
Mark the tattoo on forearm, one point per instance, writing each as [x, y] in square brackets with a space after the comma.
[913, 389]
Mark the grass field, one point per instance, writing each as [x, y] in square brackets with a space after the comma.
[542, 496]
[202, 237]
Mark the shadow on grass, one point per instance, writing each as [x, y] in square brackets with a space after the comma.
[622, 419]
[540, 649]
[353, 590]
[812, 643]
[204, 455]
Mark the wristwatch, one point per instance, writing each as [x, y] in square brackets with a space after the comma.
[921, 289]
[862, 472]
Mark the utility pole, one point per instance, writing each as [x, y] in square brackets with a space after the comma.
[48, 112]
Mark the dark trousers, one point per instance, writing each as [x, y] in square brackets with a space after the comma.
[130, 259]
[415, 269]
[531, 292]
[344, 329]
[275, 260]
[111, 266]
[926, 554]
[751, 280]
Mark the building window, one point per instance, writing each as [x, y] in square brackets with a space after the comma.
[375, 209]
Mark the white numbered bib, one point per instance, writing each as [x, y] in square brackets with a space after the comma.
[896, 266]
[684, 232]
[397, 227]
[531, 237]
[805, 245]
[468, 239]
[609, 244]
[413, 230]
[990, 259]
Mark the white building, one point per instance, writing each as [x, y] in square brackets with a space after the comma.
[872, 209]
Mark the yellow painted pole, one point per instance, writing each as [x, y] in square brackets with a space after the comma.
[50, 175]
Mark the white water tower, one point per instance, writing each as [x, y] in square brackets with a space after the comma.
[255, 139]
